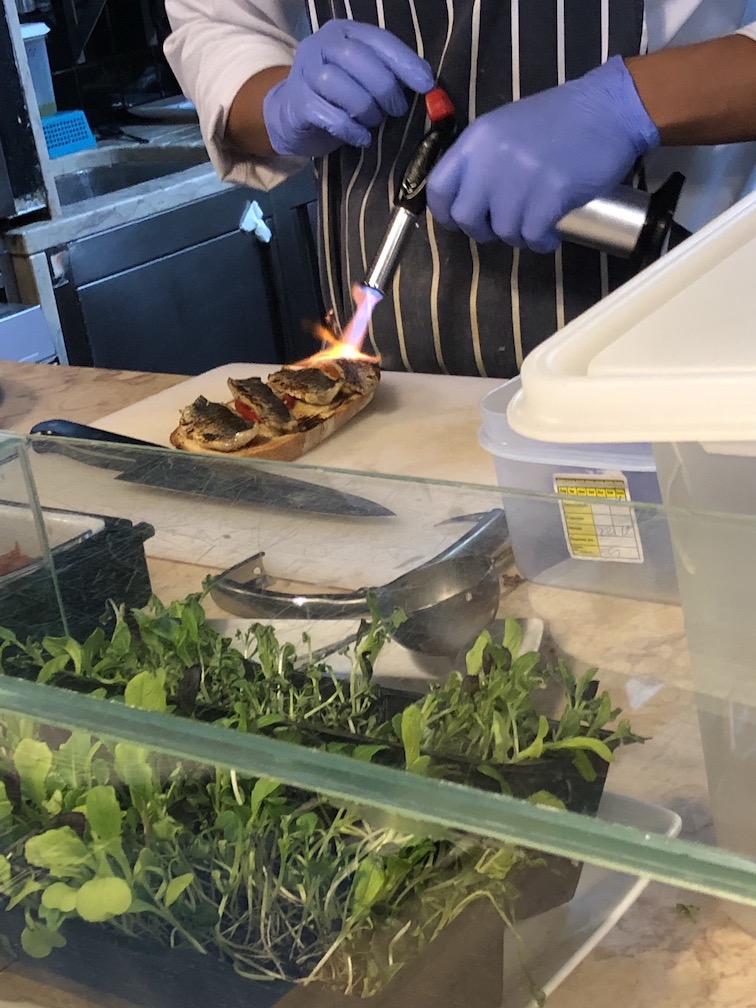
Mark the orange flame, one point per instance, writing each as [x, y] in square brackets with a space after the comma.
[351, 339]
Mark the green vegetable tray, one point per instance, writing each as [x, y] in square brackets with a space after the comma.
[352, 901]
[94, 559]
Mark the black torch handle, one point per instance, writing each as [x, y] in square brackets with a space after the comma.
[410, 200]
[411, 193]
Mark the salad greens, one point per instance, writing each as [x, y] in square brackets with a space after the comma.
[279, 882]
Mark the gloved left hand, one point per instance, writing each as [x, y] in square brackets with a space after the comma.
[345, 79]
[515, 172]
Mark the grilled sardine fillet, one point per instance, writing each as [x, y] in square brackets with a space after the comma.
[216, 426]
[258, 403]
[360, 376]
[310, 385]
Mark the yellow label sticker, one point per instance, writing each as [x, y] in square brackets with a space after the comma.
[597, 524]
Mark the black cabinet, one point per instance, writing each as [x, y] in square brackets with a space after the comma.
[188, 312]
[186, 290]
[294, 212]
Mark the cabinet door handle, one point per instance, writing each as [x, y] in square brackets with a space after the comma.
[253, 221]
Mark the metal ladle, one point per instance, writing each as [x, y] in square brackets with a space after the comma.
[447, 600]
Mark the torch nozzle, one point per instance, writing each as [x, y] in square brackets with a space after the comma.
[389, 251]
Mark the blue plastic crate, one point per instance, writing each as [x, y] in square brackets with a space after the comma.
[67, 132]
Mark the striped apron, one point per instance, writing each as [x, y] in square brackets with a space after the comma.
[455, 306]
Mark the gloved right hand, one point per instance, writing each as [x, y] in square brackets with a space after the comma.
[345, 79]
[514, 172]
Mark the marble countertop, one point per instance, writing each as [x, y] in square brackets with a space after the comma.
[672, 949]
[194, 178]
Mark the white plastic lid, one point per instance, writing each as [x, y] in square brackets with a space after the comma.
[670, 356]
[497, 437]
[36, 29]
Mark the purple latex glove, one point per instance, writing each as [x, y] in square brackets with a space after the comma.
[344, 80]
[515, 172]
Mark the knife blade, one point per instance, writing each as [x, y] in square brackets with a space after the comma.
[238, 480]
[232, 480]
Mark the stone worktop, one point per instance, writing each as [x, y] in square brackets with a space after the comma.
[164, 141]
[672, 948]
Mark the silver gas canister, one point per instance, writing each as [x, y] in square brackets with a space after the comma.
[629, 222]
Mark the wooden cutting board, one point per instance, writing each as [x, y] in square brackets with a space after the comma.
[417, 424]
[290, 447]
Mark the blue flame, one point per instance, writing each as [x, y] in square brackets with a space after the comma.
[358, 326]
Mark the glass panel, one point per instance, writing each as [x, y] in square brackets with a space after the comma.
[335, 644]
[134, 871]
[30, 600]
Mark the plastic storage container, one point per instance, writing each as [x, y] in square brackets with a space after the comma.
[670, 357]
[34, 36]
[564, 543]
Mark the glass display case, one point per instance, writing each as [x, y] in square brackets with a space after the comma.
[279, 735]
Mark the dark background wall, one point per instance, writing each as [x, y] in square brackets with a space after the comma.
[106, 55]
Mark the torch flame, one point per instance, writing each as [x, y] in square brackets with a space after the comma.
[365, 299]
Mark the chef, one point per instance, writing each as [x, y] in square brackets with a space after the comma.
[557, 107]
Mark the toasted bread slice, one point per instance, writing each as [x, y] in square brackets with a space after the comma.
[286, 447]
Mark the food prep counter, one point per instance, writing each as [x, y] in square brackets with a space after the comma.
[670, 946]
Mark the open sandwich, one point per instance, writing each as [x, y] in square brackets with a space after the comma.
[283, 417]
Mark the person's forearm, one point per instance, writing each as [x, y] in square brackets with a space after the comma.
[700, 94]
[245, 127]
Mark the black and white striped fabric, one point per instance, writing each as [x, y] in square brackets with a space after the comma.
[458, 307]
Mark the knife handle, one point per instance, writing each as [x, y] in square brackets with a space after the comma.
[70, 429]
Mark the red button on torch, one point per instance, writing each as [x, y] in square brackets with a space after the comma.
[438, 105]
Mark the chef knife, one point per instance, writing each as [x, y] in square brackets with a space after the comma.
[219, 477]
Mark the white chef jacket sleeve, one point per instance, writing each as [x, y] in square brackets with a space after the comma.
[749, 30]
[213, 49]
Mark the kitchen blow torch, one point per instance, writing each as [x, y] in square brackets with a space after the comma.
[628, 223]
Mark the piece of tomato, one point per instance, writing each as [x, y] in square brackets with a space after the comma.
[245, 410]
[333, 370]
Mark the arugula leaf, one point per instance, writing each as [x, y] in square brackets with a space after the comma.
[33, 762]
[103, 813]
[59, 896]
[58, 850]
[38, 941]
[99, 899]
[176, 886]
[147, 690]
[412, 737]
